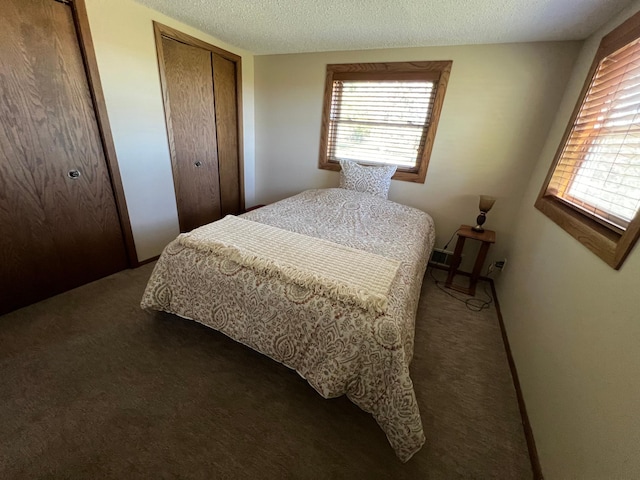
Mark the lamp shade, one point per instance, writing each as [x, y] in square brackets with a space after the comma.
[486, 203]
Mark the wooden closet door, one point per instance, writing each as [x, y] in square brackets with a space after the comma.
[59, 221]
[226, 100]
[191, 121]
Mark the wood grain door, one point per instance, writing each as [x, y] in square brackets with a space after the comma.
[59, 221]
[226, 101]
[191, 120]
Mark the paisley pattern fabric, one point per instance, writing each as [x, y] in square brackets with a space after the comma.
[373, 180]
[337, 347]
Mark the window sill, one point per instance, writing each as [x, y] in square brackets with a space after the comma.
[610, 246]
[415, 176]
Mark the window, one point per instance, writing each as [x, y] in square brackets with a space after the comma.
[383, 114]
[593, 188]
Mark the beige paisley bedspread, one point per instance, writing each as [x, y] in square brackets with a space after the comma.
[336, 346]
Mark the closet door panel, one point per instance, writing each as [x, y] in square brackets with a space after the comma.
[60, 225]
[226, 99]
[191, 121]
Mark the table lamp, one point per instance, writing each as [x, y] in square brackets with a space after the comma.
[486, 202]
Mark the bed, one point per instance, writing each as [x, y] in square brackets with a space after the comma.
[341, 342]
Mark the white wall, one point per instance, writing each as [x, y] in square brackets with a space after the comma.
[122, 33]
[497, 111]
[574, 328]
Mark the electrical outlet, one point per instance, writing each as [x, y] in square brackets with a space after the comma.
[500, 264]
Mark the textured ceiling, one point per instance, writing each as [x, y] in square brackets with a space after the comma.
[294, 26]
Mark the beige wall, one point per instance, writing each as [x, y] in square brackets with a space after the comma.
[496, 115]
[574, 328]
[125, 49]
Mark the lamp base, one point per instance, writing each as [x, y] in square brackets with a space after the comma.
[479, 222]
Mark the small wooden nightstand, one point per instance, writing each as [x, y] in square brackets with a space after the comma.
[487, 238]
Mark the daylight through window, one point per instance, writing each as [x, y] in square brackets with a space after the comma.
[379, 122]
[383, 114]
[593, 188]
[599, 168]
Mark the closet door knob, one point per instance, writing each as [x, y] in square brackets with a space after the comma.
[73, 174]
[198, 163]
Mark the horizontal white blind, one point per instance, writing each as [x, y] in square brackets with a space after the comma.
[380, 122]
[599, 168]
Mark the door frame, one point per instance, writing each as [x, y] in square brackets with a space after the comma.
[160, 31]
[83, 31]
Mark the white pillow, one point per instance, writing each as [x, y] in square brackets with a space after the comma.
[374, 180]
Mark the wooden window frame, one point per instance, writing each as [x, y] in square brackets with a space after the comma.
[437, 71]
[611, 244]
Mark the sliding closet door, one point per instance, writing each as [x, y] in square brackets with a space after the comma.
[200, 88]
[59, 223]
[226, 98]
[191, 119]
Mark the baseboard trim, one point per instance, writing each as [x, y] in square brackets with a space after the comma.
[148, 260]
[528, 432]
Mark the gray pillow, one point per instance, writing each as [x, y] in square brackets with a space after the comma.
[374, 180]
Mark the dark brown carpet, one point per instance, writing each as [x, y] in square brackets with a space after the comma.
[93, 387]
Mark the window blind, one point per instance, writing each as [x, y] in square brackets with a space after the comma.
[599, 168]
[380, 122]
